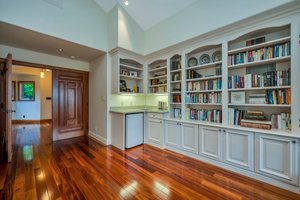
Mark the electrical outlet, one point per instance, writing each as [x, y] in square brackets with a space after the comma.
[24, 116]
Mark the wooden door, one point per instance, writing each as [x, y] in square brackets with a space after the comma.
[6, 107]
[70, 104]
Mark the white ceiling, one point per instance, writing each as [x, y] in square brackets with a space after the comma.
[148, 13]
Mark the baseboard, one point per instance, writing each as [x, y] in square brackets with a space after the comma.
[42, 121]
[99, 138]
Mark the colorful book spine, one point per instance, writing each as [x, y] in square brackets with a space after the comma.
[204, 98]
[205, 115]
[204, 85]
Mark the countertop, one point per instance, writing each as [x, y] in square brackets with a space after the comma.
[137, 109]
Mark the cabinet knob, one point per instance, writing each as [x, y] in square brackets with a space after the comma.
[160, 121]
[224, 131]
[220, 130]
[294, 142]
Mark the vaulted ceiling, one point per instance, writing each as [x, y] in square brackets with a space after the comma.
[148, 13]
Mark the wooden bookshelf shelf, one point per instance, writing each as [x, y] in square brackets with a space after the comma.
[204, 78]
[175, 81]
[158, 77]
[205, 104]
[131, 77]
[158, 69]
[261, 62]
[257, 46]
[204, 66]
[259, 88]
[130, 67]
[262, 105]
[174, 71]
[204, 91]
[160, 85]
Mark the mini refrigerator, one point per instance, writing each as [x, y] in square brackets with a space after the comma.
[134, 129]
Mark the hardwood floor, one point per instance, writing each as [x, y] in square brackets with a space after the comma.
[81, 168]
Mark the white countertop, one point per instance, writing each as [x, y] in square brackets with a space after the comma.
[136, 109]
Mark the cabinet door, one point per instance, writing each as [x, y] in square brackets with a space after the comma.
[210, 142]
[239, 150]
[155, 130]
[189, 137]
[172, 134]
[277, 157]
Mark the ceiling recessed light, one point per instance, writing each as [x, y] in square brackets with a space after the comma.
[72, 57]
[48, 70]
[60, 50]
[126, 2]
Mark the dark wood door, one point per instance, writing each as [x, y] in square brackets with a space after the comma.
[6, 108]
[70, 104]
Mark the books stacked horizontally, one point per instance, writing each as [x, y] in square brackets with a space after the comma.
[281, 121]
[257, 99]
[256, 119]
[267, 79]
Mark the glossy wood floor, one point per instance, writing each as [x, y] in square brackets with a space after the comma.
[80, 168]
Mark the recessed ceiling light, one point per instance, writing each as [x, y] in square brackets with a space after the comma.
[126, 2]
[72, 57]
[48, 70]
[60, 50]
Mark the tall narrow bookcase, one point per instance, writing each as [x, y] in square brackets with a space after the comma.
[259, 79]
[203, 81]
[157, 77]
[175, 87]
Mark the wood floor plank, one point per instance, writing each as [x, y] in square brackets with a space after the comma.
[81, 168]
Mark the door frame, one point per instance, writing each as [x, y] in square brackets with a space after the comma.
[57, 68]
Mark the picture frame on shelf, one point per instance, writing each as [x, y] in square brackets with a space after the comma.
[238, 98]
[123, 86]
[133, 74]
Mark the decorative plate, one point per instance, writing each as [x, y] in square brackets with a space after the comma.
[216, 56]
[204, 59]
[192, 62]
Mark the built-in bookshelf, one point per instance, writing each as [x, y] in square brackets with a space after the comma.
[259, 79]
[203, 82]
[131, 76]
[175, 87]
[157, 77]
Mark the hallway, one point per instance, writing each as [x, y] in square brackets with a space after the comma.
[80, 168]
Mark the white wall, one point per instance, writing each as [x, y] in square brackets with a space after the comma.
[98, 116]
[46, 91]
[31, 109]
[202, 17]
[79, 21]
[41, 58]
[112, 28]
[131, 35]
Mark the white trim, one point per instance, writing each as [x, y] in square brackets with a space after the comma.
[99, 138]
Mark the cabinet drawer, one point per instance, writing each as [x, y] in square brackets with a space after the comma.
[155, 115]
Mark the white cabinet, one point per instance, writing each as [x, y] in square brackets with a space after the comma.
[189, 137]
[210, 141]
[277, 157]
[172, 135]
[155, 130]
[239, 148]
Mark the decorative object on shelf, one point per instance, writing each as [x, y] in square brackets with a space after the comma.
[256, 41]
[219, 70]
[237, 98]
[123, 87]
[216, 56]
[125, 72]
[133, 73]
[204, 59]
[192, 62]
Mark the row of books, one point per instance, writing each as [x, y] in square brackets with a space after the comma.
[175, 65]
[176, 98]
[235, 116]
[281, 121]
[205, 85]
[204, 115]
[176, 76]
[191, 74]
[279, 96]
[275, 51]
[176, 113]
[268, 79]
[204, 98]
[156, 82]
[160, 89]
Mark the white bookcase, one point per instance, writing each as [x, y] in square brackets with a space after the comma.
[157, 77]
[259, 76]
[175, 85]
[203, 84]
